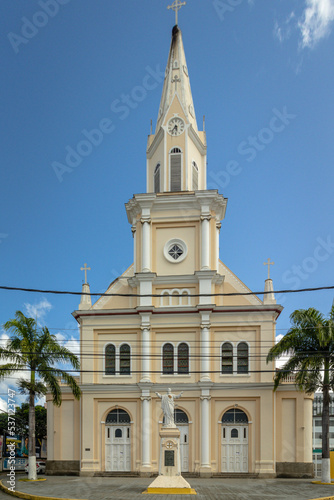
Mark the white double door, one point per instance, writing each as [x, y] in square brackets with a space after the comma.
[118, 448]
[184, 447]
[234, 447]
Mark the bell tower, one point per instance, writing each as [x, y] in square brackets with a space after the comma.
[176, 223]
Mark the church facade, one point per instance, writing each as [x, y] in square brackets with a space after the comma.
[179, 319]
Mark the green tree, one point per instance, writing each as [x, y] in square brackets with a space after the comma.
[36, 351]
[22, 421]
[309, 343]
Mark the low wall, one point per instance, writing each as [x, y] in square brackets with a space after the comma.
[63, 467]
[295, 469]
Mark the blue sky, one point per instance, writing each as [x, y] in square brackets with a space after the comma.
[261, 72]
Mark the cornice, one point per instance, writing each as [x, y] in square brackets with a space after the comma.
[179, 386]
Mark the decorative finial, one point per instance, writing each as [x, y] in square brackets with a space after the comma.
[176, 6]
[85, 269]
[268, 263]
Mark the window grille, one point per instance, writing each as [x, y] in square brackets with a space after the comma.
[242, 356]
[124, 360]
[110, 360]
[227, 358]
[183, 358]
[168, 359]
[118, 416]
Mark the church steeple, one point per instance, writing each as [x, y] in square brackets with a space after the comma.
[176, 152]
[177, 82]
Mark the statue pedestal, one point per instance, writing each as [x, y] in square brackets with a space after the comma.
[170, 481]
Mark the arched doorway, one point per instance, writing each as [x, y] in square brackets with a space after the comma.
[118, 441]
[234, 442]
[182, 423]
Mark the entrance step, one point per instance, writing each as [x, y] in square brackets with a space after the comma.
[236, 475]
[116, 474]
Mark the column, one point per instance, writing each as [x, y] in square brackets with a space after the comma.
[146, 432]
[205, 352]
[146, 244]
[218, 228]
[205, 434]
[205, 241]
[145, 351]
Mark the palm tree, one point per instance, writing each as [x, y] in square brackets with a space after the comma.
[36, 351]
[310, 345]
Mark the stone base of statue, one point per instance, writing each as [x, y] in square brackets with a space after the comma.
[170, 481]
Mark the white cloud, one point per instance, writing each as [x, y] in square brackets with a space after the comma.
[38, 310]
[284, 31]
[315, 22]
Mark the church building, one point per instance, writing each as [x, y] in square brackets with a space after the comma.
[179, 319]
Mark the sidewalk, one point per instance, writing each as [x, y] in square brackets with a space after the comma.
[103, 488]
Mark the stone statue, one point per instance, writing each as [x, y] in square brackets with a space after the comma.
[167, 406]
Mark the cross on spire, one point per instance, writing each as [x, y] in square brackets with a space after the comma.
[268, 263]
[176, 6]
[175, 80]
[85, 269]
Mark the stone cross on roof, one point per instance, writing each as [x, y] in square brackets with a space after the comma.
[85, 269]
[268, 263]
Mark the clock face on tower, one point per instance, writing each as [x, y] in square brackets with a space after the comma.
[175, 126]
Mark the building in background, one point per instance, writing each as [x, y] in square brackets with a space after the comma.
[169, 326]
[317, 430]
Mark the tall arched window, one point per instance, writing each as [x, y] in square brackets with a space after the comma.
[175, 169]
[227, 358]
[157, 178]
[195, 176]
[242, 356]
[124, 360]
[183, 358]
[110, 360]
[168, 359]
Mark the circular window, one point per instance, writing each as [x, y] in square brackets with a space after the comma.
[175, 251]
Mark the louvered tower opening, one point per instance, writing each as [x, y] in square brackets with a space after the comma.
[175, 169]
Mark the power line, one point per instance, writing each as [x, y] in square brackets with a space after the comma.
[96, 294]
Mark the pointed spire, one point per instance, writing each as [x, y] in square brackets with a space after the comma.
[177, 82]
[269, 297]
[86, 301]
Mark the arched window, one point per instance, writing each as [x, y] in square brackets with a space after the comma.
[235, 416]
[195, 176]
[110, 360]
[157, 179]
[118, 417]
[183, 358]
[118, 433]
[175, 169]
[227, 358]
[124, 359]
[242, 356]
[168, 359]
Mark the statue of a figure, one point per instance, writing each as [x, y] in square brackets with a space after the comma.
[167, 405]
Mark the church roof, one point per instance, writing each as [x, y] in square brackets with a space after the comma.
[177, 81]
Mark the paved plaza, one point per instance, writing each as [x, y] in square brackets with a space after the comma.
[128, 488]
